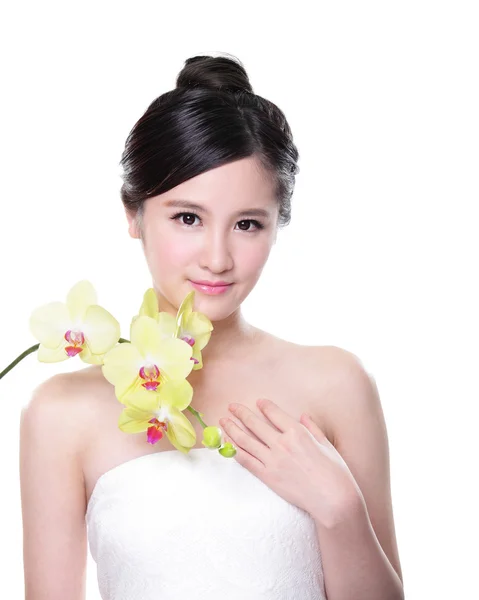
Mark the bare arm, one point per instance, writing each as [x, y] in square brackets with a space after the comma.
[361, 553]
[53, 494]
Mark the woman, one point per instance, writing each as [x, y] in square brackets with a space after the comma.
[304, 508]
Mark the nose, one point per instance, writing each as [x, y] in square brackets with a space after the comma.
[216, 252]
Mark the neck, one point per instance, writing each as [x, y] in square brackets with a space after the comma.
[228, 337]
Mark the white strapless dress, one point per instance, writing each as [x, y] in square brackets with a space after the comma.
[198, 526]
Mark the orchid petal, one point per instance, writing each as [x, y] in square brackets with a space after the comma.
[49, 323]
[88, 357]
[132, 420]
[143, 400]
[176, 394]
[166, 324]
[121, 366]
[180, 431]
[174, 358]
[101, 329]
[184, 311]
[146, 336]
[48, 355]
[79, 298]
[149, 306]
[200, 327]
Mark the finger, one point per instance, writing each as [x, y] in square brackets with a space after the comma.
[243, 427]
[241, 439]
[246, 460]
[311, 426]
[276, 415]
[261, 429]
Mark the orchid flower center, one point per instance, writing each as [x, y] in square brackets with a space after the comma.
[160, 425]
[76, 339]
[151, 374]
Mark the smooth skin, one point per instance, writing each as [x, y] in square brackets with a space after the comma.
[69, 435]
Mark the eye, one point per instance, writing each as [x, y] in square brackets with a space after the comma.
[247, 222]
[188, 219]
[190, 216]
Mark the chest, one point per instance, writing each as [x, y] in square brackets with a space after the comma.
[214, 389]
[213, 396]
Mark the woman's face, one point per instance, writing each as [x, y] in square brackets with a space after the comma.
[226, 231]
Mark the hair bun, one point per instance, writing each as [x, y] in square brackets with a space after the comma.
[217, 73]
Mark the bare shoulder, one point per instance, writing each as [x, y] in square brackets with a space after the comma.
[351, 388]
[53, 427]
[326, 366]
[63, 404]
[332, 359]
[68, 390]
[347, 388]
[333, 379]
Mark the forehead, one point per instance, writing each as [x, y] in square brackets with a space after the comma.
[243, 183]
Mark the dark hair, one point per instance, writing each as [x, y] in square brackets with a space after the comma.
[211, 118]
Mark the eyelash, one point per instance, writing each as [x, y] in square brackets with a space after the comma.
[257, 224]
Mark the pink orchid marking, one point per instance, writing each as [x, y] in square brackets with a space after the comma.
[155, 432]
[191, 341]
[151, 374]
[77, 339]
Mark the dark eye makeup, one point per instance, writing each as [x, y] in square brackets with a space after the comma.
[256, 223]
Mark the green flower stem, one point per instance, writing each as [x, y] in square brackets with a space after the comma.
[33, 349]
[18, 359]
[197, 415]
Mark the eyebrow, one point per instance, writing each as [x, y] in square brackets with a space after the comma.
[256, 212]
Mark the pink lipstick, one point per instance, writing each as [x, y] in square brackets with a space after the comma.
[212, 288]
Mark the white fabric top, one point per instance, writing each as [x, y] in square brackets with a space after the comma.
[173, 526]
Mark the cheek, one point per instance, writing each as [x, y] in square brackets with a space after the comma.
[167, 252]
[254, 256]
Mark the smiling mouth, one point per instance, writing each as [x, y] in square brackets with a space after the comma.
[214, 289]
[212, 283]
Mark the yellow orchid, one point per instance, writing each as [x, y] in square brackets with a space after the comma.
[192, 327]
[161, 411]
[148, 361]
[149, 373]
[78, 326]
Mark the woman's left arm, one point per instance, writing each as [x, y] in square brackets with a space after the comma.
[344, 486]
[359, 550]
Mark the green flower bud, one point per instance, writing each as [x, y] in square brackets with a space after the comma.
[227, 450]
[212, 437]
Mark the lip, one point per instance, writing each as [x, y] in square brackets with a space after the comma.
[212, 288]
[209, 283]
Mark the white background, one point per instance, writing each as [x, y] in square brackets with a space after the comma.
[381, 254]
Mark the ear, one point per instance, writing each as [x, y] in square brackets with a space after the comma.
[133, 229]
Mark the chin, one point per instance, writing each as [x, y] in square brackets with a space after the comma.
[216, 308]
[207, 307]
